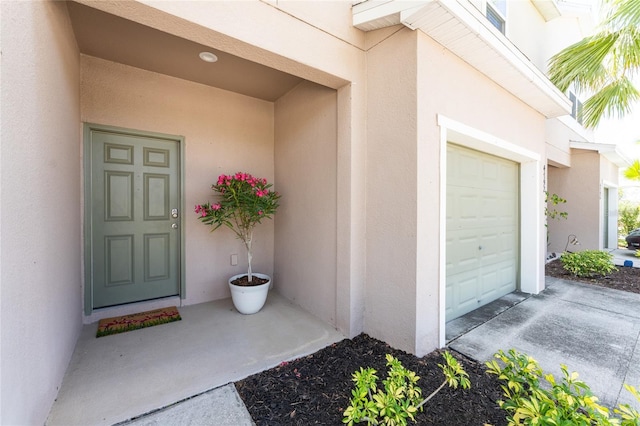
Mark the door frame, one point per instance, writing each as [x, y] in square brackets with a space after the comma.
[531, 271]
[611, 215]
[451, 148]
[87, 195]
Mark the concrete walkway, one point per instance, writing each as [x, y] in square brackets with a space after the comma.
[595, 331]
[622, 255]
[183, 370]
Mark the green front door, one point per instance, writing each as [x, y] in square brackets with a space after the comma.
[132, 199]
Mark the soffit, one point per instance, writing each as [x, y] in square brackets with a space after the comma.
[608, 151]
[116, 39]
[547, 8]
[463, 30]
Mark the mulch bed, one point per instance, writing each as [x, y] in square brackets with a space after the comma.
[316, 389]
[625, 278]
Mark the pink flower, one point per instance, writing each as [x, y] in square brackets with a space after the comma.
[260, 213]
[216, 206]
[202, 210]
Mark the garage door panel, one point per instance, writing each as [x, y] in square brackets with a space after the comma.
[462, 293]
[482, 229]
[488, 280]
[463, 253]
[466, 291]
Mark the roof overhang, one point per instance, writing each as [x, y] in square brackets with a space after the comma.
[548, 9]
[608, 151]
[462, 29]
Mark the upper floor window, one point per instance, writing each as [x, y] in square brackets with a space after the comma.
[496, 12]
[576, 107]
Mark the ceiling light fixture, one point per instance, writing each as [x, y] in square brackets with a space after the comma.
[208, 57]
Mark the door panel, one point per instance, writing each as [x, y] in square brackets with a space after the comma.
[134, 240]
[482, 229]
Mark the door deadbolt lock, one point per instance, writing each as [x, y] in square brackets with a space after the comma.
[174, 213]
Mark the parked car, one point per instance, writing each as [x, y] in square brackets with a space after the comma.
[633, 239]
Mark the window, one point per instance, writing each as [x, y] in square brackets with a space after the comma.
[576, 107]
[496, 12]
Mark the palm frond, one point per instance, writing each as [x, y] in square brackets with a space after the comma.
[582, 62]
[633, 171]
[626, 52]
[616, 98]
[623, 12]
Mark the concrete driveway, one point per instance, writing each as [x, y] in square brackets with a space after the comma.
[620, 255]
[594, 331]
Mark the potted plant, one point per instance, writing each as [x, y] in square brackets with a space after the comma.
[243, 202]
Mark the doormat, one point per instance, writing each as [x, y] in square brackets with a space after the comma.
[115, 325]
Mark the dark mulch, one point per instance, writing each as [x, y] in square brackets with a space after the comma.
[316, 389]
[625, 278]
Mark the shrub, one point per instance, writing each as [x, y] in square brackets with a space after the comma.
[400, 398]
[628, 217]
[554, 199]
[553, 213]
[588, 263]
[568, 402]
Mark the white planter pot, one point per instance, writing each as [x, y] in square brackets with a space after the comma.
[249, 300]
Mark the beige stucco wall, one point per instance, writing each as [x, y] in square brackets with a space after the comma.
[558, 137]
[223, 133]
[391, 190]
[309, 44]
[404, 176]
[523, 20]
[580, 185]
[306, 233]
[609, 171]
[41, 212]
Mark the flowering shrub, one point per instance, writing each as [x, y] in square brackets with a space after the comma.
[243, 201]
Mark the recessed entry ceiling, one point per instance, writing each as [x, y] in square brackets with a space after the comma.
[116, 39]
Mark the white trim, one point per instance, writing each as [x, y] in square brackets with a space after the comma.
[531, 205]
[609, 151]
[442, 249]
[548, 9]
[510, 69]
[612, 242]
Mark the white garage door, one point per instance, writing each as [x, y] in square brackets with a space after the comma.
[482, 229]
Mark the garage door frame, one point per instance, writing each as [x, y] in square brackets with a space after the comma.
[531, 204]
[484, 229]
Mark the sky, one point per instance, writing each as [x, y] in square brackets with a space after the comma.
[624, 132]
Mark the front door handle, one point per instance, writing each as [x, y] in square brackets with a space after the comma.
[174, 226]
